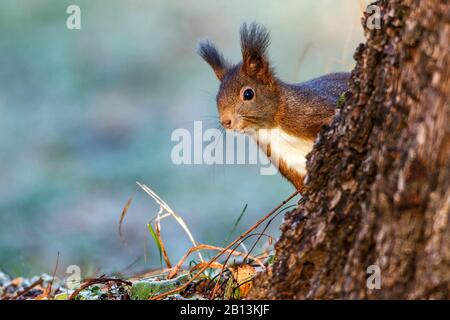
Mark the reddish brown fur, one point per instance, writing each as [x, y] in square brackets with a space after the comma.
[298, 109]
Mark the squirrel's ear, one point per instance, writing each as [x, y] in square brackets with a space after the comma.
[254, 42]
[214, 58]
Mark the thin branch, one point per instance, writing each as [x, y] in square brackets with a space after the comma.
[174, 271]
[26, 290]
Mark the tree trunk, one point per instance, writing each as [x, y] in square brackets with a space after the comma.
[378, 178]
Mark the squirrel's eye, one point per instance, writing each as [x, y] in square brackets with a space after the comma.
[248, 94]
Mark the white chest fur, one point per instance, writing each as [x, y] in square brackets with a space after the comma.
[290, 149]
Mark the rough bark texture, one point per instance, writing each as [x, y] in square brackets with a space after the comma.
[378, 187]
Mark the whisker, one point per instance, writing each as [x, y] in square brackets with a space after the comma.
[250, 117]
[250, 120]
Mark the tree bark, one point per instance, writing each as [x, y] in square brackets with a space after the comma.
[378, 184]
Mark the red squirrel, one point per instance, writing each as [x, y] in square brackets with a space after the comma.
[252, 100]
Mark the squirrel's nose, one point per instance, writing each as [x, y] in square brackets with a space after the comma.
[226, 123]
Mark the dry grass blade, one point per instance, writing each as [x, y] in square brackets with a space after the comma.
[122, 216]
[23, 292]
[242, 236]
[174, 271]
[150, 274]
[165, 211]
[163, 248]
[214, 265]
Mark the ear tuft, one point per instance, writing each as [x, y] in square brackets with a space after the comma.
[214, 58]
[255, 40]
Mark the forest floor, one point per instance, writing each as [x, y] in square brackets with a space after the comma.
[226, 275]
[232, 283]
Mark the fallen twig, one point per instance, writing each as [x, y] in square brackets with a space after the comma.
[102, 279]
[26, 290]
[122, 216]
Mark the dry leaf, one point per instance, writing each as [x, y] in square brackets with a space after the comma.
[242, 276]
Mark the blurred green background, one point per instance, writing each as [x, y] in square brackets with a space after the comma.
[86, 113]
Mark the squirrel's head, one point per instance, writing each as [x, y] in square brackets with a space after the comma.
[248, 97]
